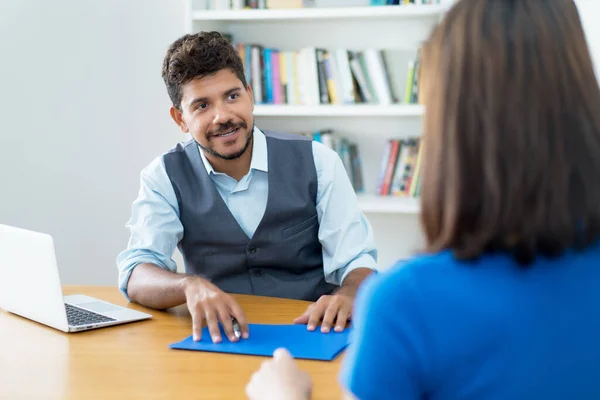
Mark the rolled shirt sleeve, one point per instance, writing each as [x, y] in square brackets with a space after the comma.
[154, 225]
[344, 232]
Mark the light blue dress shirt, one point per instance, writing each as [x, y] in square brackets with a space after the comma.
[344, 232]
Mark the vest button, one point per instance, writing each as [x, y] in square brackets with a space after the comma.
[252, 250]
[257, 272]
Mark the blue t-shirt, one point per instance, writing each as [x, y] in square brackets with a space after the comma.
[437, 328]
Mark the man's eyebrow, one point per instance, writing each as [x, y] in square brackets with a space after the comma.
[232, 90]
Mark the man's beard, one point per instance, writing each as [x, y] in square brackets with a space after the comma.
[238, 154]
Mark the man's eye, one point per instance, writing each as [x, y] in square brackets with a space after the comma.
[234, 96]
[202, 106]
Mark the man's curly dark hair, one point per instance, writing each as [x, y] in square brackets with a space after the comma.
[195, 56]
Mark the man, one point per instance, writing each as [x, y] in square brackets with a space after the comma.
[255, 213]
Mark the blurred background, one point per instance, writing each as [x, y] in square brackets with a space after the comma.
[83, 109]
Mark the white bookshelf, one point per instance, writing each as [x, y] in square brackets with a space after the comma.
[396, 12]
[401, 29]
[358, 110]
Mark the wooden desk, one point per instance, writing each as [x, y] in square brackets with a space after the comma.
[133, 361]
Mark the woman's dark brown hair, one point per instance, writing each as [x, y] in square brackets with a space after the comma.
[512, 131]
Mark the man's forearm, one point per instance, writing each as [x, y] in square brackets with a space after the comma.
[155, 287]
[353, 280]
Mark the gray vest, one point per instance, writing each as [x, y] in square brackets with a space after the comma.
[284, 257]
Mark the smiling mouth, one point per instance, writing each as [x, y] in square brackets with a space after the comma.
[228, 133]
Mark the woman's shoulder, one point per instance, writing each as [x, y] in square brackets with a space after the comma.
[406, 275]
[419, 265]
[443, 269]
[410, 278]
[426, 260]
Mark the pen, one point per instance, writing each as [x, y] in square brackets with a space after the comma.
[236, 328]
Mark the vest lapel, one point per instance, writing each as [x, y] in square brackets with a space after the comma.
[208, 186]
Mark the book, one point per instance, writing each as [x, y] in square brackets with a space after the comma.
[313, 75]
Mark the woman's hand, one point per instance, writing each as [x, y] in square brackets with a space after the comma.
[279, 379]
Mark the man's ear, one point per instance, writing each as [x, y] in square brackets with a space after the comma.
[177, 116]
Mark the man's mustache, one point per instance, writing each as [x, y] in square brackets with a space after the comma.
[227, 127]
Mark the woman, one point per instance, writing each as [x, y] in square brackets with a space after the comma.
[505, 301]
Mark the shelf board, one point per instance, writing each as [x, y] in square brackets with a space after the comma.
[370, 203]
[358, 110]
[402, 11]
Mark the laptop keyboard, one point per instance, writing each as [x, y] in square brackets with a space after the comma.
[78, 316]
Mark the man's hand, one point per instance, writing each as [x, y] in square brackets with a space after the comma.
[336, 307]
[279, 378]
[207, 302]
[329, 308]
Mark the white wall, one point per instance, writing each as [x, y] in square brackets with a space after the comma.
[589, 11]
[82, 110]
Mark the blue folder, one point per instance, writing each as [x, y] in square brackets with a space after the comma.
[264, 339]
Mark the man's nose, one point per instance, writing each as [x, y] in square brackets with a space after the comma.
[222, 115]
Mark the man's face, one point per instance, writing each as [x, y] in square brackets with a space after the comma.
[217, 111]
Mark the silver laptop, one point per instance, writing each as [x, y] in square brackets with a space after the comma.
[30, 287]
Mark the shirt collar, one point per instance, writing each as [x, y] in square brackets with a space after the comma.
[259, 159]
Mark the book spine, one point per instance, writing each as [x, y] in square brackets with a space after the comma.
[329, 72]
[257, 74]
[322, 75]
[391, 166]
[409, 81]
[268, 75]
